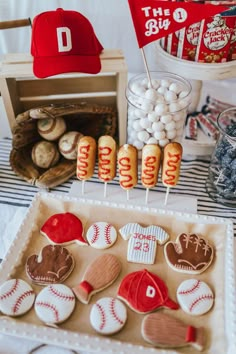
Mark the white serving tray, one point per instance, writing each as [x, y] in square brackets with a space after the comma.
[76, 333]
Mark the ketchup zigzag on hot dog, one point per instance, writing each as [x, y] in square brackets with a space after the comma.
[128, 166]
[106, 158]
[86, 157]
[171, 164]
[151, 159]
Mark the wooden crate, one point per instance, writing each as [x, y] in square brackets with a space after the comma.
[21, 90]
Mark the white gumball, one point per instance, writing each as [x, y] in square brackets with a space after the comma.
[150, 130]
[151, 94]
[137, 126]
[167, 118]
[151, 140]
[160, 135]
[155, 83]
[163, 142]
[143, 135]
[160, 99]
[133, 134]
[139, 113]
[138, 144]
[158, 126]
[183, 94]
[145, 123]
[145, 83]
[174, 107]
[170, 126]
[170, 96]
[165, 83]
[161, 108]
[138, 89]
[153, 116]
[162, 90]
[175, 87]
[171, 134]
[146, 106]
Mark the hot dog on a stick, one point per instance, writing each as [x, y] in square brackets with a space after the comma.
[128, 167]
[151, 160]
[86, 157]
[171, 166]
[106, 160]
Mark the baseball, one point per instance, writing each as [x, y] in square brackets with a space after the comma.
[101, 235]
[195, 297]
[45, 154]
[51, 128]
[55, 303]
[108, 315]
[16, 297]
[68, 144]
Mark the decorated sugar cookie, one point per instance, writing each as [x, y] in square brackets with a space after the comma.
[16, 297]
[163, 330]
[195, 297]
[63, 229]
[190, 254]
[53, 265]
[144, 292]
[108, 315]
[101, 235]
[142, 242]
[54, 304]
[101, 273]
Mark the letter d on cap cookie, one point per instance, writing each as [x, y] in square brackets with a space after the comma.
[62, 42]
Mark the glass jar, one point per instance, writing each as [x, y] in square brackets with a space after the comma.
[221, 181]
[157, 108]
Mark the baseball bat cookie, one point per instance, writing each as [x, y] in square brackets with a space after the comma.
[195, 297]
[165, 331]
[101, 273]
[86, 157]
[151, 160]
[128, 167]
[171, 166]
[68, 144]
[51, 128]
[106, 160]
[108, 315]
[54, 304]
[101, 235]
[16, 297]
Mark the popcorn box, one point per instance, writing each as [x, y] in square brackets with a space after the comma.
[188, 41]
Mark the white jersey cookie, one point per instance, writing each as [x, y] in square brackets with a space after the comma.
[195, 297]
[108, 315]
[101, 235]
[55, 303]
[142, 242]
[16, 297]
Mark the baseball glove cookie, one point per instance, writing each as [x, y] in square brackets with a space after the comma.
[86, 119]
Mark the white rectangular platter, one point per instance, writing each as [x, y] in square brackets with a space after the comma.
[76, 333]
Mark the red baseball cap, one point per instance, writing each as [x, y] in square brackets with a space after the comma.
[64, 41]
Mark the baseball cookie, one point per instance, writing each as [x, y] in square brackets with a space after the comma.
[195, 297]
[45, 154]
[190, 254]
[51, 128]
[53, 265]
[101, 235]
[16, 297]
[68, 144]
[101, 273]
[108, 315]
[54, 304]
[144, 292]
[163, 330]
[64, 228]
[142, 242]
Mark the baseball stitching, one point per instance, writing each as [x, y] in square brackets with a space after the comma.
[49, 306]
[107, 234]
[49, 129]
[60, 295]
[113, 312]
[102, 315]
[199, 299]
[20, 299]
[190, 290]
[95, 233]
[10, 291]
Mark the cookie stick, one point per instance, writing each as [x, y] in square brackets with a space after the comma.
[86, 156]
[151, 160]
[106, 160]
[171, 166]
[128, 167]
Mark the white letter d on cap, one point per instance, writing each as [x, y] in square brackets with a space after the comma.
[68, 44]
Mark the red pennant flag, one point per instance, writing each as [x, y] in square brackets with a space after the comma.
[155, 19]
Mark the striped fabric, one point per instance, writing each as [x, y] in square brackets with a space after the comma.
[15, 191]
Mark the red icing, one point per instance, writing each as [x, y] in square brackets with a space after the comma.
[86, 287]
[190, 334]
[144, 292]
[63, 228]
